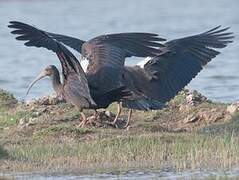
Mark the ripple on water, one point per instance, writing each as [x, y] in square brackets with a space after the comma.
[20, 64]
[132, 174]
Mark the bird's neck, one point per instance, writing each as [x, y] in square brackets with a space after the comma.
[56, 83]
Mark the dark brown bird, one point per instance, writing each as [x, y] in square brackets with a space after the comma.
[164, 75]
[75, 88]
[106, 55]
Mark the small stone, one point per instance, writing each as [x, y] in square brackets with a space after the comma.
[22, 122]
[32, 108]
[42, 110]
[36, 114]
[189, 98]
[191, 119]
[31, 103]
[32, 121]
[194, 98]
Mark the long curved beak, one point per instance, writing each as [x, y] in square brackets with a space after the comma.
[39, 77]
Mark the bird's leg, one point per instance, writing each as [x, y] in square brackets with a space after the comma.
[95, 113]
[93, 118]
[84, 119]
[118, 113]
[129, 117]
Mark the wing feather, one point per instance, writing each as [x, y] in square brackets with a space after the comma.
[170, 72]
[72, 70]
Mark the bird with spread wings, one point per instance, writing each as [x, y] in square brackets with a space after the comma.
[172, 66]
[106, 55]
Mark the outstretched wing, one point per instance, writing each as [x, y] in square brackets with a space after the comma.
[72, 42]
[107, 53]
[135, 44]
[165, 75]
[133, 79]
[39, 38]
[70, 65]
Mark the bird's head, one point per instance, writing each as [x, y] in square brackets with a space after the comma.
[50, 71]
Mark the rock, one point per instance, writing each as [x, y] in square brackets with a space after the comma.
[207, 116]
[22, 122]
[194, 98]
[47, 100]
[36, 114]
[184, 107]
[233, 108]
[29, 103]
[32, 121]
[190, 119]
[189, 99]
[6, 128]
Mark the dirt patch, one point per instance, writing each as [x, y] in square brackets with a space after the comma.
[190, 111]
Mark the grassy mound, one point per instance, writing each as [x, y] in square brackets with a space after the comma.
[45, 135]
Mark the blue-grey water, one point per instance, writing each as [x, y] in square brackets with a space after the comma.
[88, 18]
[147, 174]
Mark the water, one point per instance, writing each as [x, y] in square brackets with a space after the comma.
[86, 19]
[131, 175]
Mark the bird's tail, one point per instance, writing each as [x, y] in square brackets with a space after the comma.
[143, 104]
[117, 94]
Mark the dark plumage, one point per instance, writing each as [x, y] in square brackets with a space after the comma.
[75, 88]
[106, 55]
[172, 67]
[165, 74]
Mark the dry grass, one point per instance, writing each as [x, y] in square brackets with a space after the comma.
[179, 151]
[55, 142]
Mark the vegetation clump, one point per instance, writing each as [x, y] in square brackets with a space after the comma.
[7, 98]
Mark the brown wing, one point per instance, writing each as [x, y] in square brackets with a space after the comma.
[76, 92]
[71, 67]
[106, 55]
[134, 78]
[165, 75]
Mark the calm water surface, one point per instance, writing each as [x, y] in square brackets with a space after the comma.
[86, 19]
[134, 174]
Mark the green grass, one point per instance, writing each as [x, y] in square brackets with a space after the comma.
[62, 129]
[6, 98]
[179, 99]
[10, 118]
[3, 152]
[181, 151]
[55, 142]
[229, 127]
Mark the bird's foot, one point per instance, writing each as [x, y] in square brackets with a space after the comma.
[82, 124]
[120, 124]
[127, 126]
[93, 120]
[112, 124]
